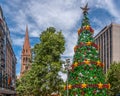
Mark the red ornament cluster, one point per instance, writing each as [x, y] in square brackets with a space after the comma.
[85, 44]
[88, 28]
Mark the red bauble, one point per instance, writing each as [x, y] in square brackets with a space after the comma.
[94, 92]
[91, 30]
[91, 68]
[88, 48]
[76, 78]
[83, 93]
[81, 43]
[84, 68]
[94, 76]
[74, 93]
[95, 45]
[85, 52]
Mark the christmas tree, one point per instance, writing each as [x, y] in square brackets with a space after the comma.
[86, 77]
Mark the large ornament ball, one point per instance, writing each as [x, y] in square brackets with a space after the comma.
[87, 27]
[88, 43]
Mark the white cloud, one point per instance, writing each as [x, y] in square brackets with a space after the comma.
[63, 76]
[61, 14]
[109, 6]
[34, 33]
[18, 41]
[71, 40]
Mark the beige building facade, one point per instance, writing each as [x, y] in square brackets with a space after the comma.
[108, 40]
[7, 60]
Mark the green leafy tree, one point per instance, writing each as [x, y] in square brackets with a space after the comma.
[47, 61]
[86, 76]
[23, 86]
[43, 78]
[113, 76]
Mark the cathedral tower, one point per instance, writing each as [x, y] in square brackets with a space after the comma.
[26, 54]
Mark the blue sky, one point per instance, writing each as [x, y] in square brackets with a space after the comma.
[64, 15]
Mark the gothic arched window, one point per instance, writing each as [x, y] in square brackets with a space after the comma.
[24, 59]
[26, 50]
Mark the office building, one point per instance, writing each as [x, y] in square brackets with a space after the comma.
[108, 40]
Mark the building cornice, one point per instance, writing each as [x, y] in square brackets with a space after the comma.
[105, 28]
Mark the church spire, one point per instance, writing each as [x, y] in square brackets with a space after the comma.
[26, 42]
[26, 54]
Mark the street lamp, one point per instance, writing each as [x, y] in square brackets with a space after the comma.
[67, 67]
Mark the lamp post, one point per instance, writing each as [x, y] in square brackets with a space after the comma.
[67, 64]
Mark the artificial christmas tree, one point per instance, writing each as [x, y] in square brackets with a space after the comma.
[86, 77]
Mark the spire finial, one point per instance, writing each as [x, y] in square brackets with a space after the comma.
[26, 28]
[85, 9]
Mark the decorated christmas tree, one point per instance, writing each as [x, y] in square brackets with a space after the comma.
[86, 77]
